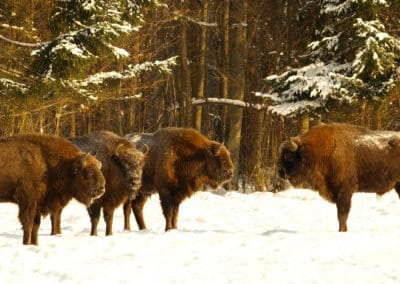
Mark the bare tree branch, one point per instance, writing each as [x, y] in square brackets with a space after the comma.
[24, 44]
[237, 103]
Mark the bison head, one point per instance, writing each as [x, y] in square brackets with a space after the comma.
[219, 166]
[130, 161]
[290, 160]
[87, 179]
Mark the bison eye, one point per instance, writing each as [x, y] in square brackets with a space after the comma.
[87, 174]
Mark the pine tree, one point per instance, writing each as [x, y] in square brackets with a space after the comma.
[353, 57]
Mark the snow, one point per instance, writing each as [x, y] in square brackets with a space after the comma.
[287, 237]
[378, 139]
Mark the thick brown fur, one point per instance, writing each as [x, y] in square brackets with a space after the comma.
[339, 159]
[180, 162]
[122, 169]
[41, 174]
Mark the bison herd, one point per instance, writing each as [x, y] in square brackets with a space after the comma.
[42, 173]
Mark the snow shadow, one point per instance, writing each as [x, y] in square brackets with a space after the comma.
[279, 231]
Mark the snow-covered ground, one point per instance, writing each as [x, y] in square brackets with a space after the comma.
[288, 237]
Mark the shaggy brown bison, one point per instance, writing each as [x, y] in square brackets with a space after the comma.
[180, 162]
[41, 174]
[338, 160]
[122, 169]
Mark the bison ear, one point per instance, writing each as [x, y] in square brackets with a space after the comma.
[117, 153]
[116, 159]
[77, 166]
[215, 148]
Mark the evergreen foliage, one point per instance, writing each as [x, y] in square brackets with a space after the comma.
[354, 57]
[85, 34]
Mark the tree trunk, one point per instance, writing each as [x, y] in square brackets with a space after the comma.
[202, 65]
[225, 66]
[187, 86]
[72, 132]
[254, 127]
[304, 123]
[237, 82]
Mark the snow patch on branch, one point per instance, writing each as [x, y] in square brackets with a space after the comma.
[237, 103]
[8, 86]
[332, 6]
[164, 66]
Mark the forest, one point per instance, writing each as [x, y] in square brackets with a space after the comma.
[247, 73]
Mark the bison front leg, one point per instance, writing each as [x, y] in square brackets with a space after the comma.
[94, 214]
[137, 208]
[343, 204]
[127, 215]
[35, 229]
[108, 214]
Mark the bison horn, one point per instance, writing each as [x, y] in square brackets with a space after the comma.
[218, 151]
[292, 144]
[118, 148]
[145, 149]
[215, 148]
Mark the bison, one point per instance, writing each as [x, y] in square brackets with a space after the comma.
[41, 174]
[122, 169]
[180, 161]
[338, 160]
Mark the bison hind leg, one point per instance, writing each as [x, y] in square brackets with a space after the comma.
[170, 211]
[108, 214]
[55, 222]
[26, 215]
